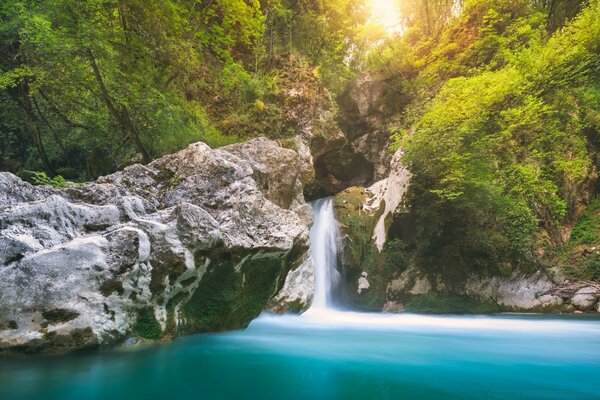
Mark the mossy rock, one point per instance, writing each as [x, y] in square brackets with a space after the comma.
[146, 325]
[227, 298]
[110, 286]
[53, 343]
[165, 264]
[434, 302]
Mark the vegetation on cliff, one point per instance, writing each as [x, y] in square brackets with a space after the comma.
[494, 101]
[499, 122]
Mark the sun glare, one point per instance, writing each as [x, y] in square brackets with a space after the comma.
[386, 14]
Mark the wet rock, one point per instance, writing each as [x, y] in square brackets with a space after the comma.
[386, 196]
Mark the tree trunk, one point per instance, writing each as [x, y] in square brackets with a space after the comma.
[121, 115]
[32, 128]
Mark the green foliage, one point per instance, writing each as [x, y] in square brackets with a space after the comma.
[587, 229]
[580, 257]
[502, 148]
[41, 178]
[146, 325]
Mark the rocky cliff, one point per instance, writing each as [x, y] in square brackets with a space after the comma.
[195, 241]
[382, 273]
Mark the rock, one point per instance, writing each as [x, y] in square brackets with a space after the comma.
[585, 298]
[550, 300]
[297, 292]
[195, 241]
[421, 286]
[386, 195]
[363, 157]
[519, 291]
[598, 307]
[363, 283]
[393, 307]
[398, 286]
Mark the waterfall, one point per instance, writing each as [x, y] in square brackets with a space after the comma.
[323, 240]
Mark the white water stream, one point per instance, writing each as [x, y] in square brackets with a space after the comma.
[324, 240]
[324, 237]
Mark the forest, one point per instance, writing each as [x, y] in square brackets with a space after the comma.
[495, 103]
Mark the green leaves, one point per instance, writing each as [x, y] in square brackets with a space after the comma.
[503, 150]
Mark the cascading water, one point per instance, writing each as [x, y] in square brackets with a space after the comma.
[324, 239]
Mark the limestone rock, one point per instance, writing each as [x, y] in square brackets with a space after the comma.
[393, 307]
[298, 289]
[585, 298]
[421, 286]
[91, 265]
[388, 194]
[363, 283]
[519, 290]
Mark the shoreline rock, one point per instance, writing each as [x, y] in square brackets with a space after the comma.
[196, 241]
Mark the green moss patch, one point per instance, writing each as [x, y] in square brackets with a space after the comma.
[360, 251]
[146, 325]
[226, 299]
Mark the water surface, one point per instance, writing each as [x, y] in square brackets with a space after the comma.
[336, 355]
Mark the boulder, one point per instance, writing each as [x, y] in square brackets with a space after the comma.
[585, 298]
[519, 291]
[199, 240]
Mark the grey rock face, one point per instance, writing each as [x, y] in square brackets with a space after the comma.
[198, 240]
[298, 289]
[585, 298]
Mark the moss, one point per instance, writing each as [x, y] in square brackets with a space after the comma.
[58, 315]
[296, 307]
[146, 325]
[175, 181]
[289, 143]
[434, 302]
[178, 298]
[260, 279]
[226, 299]
[360, 252]
[111, 285]
[213, 298]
